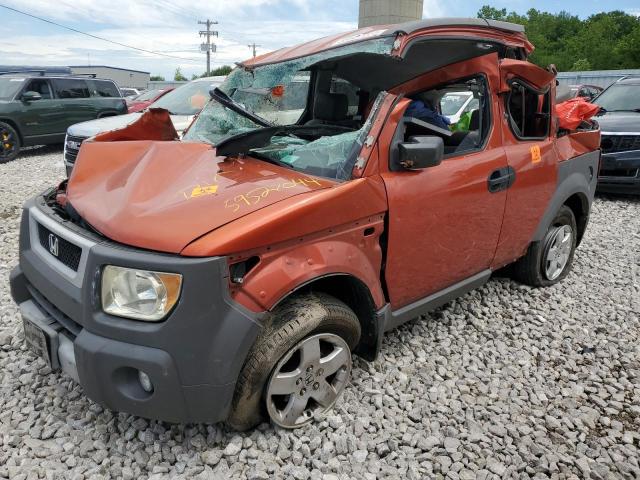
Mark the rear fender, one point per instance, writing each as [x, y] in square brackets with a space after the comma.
[578, 175]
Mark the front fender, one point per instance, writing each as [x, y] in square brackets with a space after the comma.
[352, 249]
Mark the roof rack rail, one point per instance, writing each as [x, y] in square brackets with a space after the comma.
[26, 72]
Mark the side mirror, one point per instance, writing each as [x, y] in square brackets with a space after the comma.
[31, 96]
[420, 152]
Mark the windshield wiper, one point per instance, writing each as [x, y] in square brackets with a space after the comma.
[637, 110]
[261, 137]
[221, 97]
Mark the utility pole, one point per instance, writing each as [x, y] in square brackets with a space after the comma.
[208, 47]
[253, 47]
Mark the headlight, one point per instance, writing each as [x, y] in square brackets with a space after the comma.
[139, 294]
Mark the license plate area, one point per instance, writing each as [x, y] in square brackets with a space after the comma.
[37, 341]
[40, 333]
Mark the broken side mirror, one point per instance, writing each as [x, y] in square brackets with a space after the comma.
[31, 96]
[420, 152]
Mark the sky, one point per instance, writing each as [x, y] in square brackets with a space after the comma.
[170, 26]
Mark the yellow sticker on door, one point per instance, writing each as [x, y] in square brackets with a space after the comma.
[535, 154]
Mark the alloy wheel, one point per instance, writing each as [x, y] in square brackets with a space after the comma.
[308, 380]
[7, 143]
[558, 251]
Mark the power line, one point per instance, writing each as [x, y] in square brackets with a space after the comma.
[95, 36]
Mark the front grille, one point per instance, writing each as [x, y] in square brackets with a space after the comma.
[72, 146]
[64, 251]
[619, 143]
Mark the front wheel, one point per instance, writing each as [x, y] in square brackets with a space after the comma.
[9, 143]
[299, 365]
[549, 261]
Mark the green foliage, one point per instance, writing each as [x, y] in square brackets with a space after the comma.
[581, 65]
[178, 76]
[603, 41]
[217, 72]
[156, 78]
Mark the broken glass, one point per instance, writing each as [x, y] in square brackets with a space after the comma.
[279, 93]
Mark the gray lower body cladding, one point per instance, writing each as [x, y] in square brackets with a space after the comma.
[193, 357]
[620, 172]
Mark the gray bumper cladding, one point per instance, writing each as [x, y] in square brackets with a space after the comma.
[193, 357]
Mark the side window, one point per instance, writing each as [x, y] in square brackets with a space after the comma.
[102, 88]
[447, 112]
[528, 111]
[41, 86]
[70, 88]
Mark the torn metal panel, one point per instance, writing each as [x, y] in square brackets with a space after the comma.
[532, 74]
[154, 124]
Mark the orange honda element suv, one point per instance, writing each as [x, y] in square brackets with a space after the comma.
[320, 199]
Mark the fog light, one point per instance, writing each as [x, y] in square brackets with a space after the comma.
[145, 381]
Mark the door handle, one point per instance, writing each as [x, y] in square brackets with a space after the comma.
[501, 179]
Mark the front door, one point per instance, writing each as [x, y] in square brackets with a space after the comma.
[40, 117]
[444, 222]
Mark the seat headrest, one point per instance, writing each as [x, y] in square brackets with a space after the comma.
[331, 106]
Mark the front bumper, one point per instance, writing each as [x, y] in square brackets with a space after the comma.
[620, 172]
[193, 357]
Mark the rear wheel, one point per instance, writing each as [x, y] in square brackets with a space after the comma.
[9, 143]
[549, 261]
[299, 365]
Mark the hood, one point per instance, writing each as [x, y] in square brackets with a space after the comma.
[619, 122]
[163, 195]
[106, 124]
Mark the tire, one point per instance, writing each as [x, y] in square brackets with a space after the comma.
[299, 319]
[10, 143]
[538, 267]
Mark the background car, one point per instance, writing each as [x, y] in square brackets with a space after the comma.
[145, 99]
[566, 92]
[454, 104]
[182, 103]
[130, 92]
[619, 121]
[36, 109]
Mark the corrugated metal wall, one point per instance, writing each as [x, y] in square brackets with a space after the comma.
[600, 78]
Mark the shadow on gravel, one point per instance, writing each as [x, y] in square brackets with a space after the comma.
[39, 150]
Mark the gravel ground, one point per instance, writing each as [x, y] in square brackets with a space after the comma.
[506, 382]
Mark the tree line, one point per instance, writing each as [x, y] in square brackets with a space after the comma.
[179, 77]
[604, 41]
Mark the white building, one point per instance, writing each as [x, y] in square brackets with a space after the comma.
[384, 12]
[122, 76]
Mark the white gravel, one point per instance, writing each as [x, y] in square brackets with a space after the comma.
[506, 382]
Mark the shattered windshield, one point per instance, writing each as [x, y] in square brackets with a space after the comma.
[281, 93]
[187, 99]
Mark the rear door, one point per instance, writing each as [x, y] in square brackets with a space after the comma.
[105, 97]
[528, 94]
[74, 96]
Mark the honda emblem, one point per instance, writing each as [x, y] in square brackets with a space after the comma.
[53, 244]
